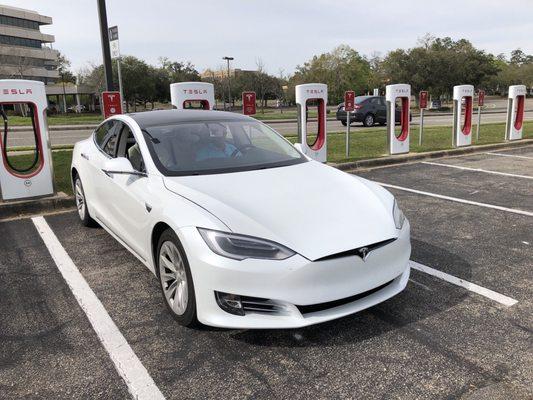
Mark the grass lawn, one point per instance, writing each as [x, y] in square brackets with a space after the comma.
[367, 143]
[64, 119]
[372, 142]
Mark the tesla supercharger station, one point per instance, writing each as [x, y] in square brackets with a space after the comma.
[515, 112]
[183, 94]
[398, 140]
[463, 104]
[35, 179]
[305, 95]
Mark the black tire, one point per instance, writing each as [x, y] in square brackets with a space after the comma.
[83, 210]
[369, 120]
[344, 123]
[188, 318]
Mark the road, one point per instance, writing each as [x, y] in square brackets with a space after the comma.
[71, 136]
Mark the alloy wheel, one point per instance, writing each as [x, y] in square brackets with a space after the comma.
[173, 277]
[80, 199]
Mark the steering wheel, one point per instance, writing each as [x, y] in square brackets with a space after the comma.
[241, 150]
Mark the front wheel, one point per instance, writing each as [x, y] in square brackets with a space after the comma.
[81, 203]
[369, 120]
[344, 123]
[175, 279]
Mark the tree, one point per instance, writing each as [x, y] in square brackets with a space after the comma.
[342, 69]
[143, 83]
[517, 70]
[437, 64]
[65, 76]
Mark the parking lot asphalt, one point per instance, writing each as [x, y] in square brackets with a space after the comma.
[435, 340]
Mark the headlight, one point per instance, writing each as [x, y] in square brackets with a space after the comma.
[240, 247]
[398, 215]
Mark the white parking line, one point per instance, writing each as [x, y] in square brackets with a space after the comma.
[140, 383]
[458, 200]
[510, 155]
[490, 294]
[477, 170]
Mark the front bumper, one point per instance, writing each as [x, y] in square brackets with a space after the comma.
[294, 282]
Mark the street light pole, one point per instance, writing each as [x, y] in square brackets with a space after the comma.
[228, 59]
[106, 52]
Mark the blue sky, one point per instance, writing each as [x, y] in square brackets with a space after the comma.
[282, 33]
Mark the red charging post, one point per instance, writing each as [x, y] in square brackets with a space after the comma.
[111, 104]
[248, 103]
[423, 102]
[480, 103]
[349, 106]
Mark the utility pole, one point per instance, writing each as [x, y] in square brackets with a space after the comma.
[228, 59]
[106, 53]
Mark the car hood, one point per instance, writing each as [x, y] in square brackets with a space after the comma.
[311, 208]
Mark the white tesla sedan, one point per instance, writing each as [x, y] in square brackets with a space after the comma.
[241, 229]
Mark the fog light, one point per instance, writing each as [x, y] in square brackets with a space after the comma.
[230, 303]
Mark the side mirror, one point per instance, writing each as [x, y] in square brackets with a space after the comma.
[120, 165]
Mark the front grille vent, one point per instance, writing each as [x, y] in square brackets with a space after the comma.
[336, 303]
[255, 304]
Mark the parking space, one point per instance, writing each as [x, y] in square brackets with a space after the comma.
[436, 339]
[48, 348]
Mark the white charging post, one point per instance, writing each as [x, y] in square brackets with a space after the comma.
[316, 93]
[398, 142]
[515, 112]
[183, 95]
[462, 132]
[35, 179]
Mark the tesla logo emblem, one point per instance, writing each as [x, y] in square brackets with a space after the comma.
[363, 252]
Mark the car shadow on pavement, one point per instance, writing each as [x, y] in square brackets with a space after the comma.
[424, 296]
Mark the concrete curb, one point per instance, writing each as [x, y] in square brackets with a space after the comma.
[405, 158]
[16, 209]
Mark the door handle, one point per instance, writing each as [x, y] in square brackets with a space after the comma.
[85, 156]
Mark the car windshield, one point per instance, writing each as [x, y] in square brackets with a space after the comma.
[195, 148]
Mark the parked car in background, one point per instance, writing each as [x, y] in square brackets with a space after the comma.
[369, 110]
